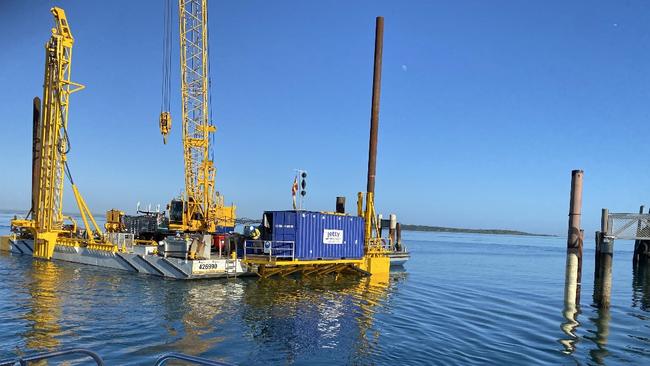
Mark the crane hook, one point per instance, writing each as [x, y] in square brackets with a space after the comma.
[165, 125]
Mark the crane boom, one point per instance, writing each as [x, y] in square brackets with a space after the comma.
[201, 208]
[199, 169]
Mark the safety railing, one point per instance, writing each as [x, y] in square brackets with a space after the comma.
[273, 249]
[193, 359]
[376, 245]
[23, 361]
[386, 245]
[628, 226]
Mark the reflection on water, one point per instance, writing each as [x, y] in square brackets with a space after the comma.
[191, 314]
[569, 326]
[600, 321]
[295, 317]
[641, 285]
[301, 315]
[466, 299]
[202, 304]
[44, 310]
[600, 335]
[571, 302]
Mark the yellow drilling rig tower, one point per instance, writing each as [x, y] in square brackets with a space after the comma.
[45, 221]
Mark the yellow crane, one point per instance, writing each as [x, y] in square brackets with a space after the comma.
[51, 147]
[201, 208]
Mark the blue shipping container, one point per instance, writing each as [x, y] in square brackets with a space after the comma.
[316, 235]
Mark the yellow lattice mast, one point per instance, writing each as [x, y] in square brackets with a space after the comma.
[50, 169]
[199, 169]
[202, 209]
[57, 88]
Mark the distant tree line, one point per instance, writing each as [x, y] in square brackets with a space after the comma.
[442, 229]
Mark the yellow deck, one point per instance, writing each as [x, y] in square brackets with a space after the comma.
[263, 260]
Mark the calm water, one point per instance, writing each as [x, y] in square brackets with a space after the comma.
[463, 299]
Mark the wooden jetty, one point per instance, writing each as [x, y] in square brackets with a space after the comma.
[623, 226]
[613, 226]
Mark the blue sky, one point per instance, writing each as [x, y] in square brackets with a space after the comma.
[486, 106]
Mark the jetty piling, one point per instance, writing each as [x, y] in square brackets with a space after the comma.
[574, 242]
[575, 208]
[637, 243]
[399, 236]
[604, 217]
[392, 229]
[613, 226]
[605, 253]
[579, 277]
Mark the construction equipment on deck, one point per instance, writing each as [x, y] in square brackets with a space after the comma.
[51, 146]
[277, 255]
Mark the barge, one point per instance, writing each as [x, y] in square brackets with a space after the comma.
[178, 247]
[398, 258]
[194, 238]
[144, 259]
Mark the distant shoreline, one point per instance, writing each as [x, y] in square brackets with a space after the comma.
[427, 228]
[442, 229]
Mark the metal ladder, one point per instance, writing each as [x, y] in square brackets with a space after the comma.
[231, 268]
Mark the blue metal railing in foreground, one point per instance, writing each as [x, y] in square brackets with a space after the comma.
[23, 361]
[195, 360]
[273, 249]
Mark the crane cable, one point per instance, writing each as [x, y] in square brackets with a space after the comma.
[166, 57]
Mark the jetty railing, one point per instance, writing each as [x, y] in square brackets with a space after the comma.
[628, 226]
[614, 226]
